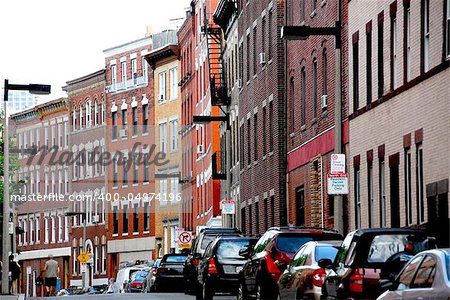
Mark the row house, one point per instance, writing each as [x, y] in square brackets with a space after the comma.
[399, 110]
[129, 140]
[199, 182]
[226, 16]
[262, 121]
[87, 141]
[167, 108]
[45, 177]
[310, 97]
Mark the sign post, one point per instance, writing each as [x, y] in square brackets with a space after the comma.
[337, 183]
[228, 207]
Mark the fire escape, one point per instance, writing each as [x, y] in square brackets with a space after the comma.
[218, 87]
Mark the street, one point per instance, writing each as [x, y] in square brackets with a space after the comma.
[171, 296]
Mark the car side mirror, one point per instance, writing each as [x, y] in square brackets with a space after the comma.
[325, 263]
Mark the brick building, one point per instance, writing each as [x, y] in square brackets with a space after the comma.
[262, 121]
[310, 87]
[399, 112]
[129, 139]
[87, 114]
[167, 107]
[45, 226]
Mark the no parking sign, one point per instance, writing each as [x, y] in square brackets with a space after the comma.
[185, 240]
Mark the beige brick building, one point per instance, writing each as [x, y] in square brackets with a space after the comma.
[164, 61]
[399, 106]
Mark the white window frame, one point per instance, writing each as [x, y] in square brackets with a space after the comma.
[38, 137]
[124, 72]
[96, 113]
[162, 88]
[173, 135]
[113, 76]
[53, 233]
[408, 43]
[38, 229]
[144, 69]
[163, 192]
[66, 228]
[88, 114]
[81, 117]
[394, 49]
[60, 135]
[134, 71]
[60, 182]
[66, 134]
[173, 74]
[74, 118]
[60, 229]
[163, 137]
[103, 259]
[31, 221]
[426, 35]
[447, 33]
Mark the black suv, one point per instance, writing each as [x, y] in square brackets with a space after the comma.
[365, 255]
[205, 236]
[268, 259]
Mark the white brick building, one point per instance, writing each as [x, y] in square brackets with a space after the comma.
[399, 106]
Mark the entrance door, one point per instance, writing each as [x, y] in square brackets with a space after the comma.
[438, 219]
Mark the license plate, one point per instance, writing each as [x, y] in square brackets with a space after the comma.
[238, 269]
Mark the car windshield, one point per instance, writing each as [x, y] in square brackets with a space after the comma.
[157, 263]
[230, 249]
[384, 246]
[206, 240]
[291, 244]
[326, 252]
[139, 275]
[175, 259]
[447, 258]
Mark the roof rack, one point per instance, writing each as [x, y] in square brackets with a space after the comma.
[301, 227]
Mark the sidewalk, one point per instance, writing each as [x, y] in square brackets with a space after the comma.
[13, 297]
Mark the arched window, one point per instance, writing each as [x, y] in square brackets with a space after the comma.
[81, 117]
[96, 118]
[292, 105]
[103, 110]
[314, 87]
[88, 114]
[74, 118]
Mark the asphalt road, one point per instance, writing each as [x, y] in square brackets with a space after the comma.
[138, 296]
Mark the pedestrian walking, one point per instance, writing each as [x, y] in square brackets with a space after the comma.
[14, 271]
[51, 273]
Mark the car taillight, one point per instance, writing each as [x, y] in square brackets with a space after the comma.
[154, 271]
[195, 261]
[212, 266]
[356, 281]
[124, 285]
[318, 277]
[161, 270]
[271, 265]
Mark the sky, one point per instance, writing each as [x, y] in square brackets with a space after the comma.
[54, 41]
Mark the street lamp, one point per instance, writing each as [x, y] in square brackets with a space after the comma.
[302, 33]
[84, 217]
[37, 89]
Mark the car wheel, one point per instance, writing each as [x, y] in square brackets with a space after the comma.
[207, 293]
[262, 294]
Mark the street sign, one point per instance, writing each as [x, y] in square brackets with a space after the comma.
[83, 257]
[178, 231]
[338, 184]
[228, 207]
[83, 268]
[185, 240]
[337, 163]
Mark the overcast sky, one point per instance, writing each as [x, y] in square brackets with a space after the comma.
[54, 41]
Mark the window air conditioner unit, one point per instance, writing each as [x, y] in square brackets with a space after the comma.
[262, 58]
[95, 219]
[199, 149]
[324, 101]
[122, 133]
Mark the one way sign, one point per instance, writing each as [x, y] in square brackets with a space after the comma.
[185, 240]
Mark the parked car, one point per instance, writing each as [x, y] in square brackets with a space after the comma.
[270, 256]
[426, 276]
[362, 258]
[219, 268]
[148, 284]
[205, 236]
[169, 274]
[136, 281]
[124, 275]
[303, 277]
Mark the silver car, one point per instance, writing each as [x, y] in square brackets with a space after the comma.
[426, 277]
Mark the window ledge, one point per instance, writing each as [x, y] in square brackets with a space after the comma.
[146, 232]
[134, 136]
[270, 61]
[115, 234]
[292, 134]
[255, 162]
[264, 157]
[115, 187]
[324, 2]
[270, 153]
[125, 234]
[303, 128]
[135, 184]
[144, 133]
[314, 121]
[146, 183]
[135, 233]
[124, 186]
[313, 14]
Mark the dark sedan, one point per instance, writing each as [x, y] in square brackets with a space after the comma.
[220, 265]
[170, 272]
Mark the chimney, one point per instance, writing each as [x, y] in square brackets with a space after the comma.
[149, 31]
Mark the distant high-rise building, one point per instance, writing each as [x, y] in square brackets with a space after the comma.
[19, 101]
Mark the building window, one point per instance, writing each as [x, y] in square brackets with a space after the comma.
[325, 73]
[394, 190]
[272, 211]
[243, 221]
[300, 203]
[264, 120]
[115, 172]
[270, 29]
[124, 121]
[114, 125]
[146, 168]
[96, 112]
[67, 227]
[124, 73]
[407, 45]
[53, 236]
[66, 180]
[144, 69]
[60, 228]
[394, 53]
[38, 138]
[303, 96]
[426, 35]
[88, 114]
[135, 218]
[248, 58]
[162, 137]
[408, 187]
[357, 198]
[31, 230]
[53, 182]
[355, 76]
[134, 71]
[103, 259]
[420, 202]
[46, 229]
[146, 216]
[66, 133]
[60, 182]
[249, 143]
[241, 65]
[135, 169]
[292, 105]
[314, 5]
[250, 220]
[255, 56]
[38, 229]
[113, 77]
[125, 224]
[125, 171]
[74, 261]
[103, 110]
[145, 118]
[380, 58]
[163, 191]
[447, 30]
[53, 138]
[263, 35]
[96, 259]
[369, 66]
[115, 220]
[173, 73]
[255, 136]
[370, 192]
[271, 127]
[135, 120]
[174, 135]
[314, 88]
[162, 87]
